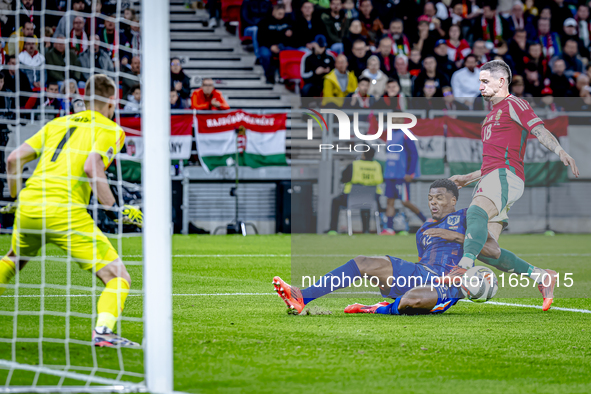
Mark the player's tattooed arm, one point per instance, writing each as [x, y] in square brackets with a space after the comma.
[549, 141]
[546, 138]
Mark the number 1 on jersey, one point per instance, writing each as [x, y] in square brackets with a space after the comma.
[59, 148]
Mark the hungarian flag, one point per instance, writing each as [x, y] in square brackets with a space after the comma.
[180, 137]
[253, 140]
[542, 167]
[180, 144]
[430, 145]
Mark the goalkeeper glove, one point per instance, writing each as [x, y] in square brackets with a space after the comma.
[132, 215]
[129, 214]
[9, 209]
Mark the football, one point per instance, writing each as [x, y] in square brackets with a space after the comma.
[479, 284]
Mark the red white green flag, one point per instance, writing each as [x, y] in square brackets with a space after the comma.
[256, 140]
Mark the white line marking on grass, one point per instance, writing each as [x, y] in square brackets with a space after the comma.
[555, 308]
[326, 255]
[270, 294]
[349, 255]
[138, 295]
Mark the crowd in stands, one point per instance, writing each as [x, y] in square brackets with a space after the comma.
[58, 60]
[373, 49]
[42, 48]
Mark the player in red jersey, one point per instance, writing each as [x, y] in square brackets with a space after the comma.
[504, 138]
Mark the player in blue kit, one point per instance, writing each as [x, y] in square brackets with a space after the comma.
[401, 167]
[440, 248]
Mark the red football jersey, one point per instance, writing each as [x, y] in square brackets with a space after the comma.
[504, 135]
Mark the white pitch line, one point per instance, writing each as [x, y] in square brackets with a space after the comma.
[348, 255]
[138, 295]
[327, 255]
[554, 308]
[270, 294]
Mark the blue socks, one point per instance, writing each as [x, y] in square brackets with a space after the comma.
[391, 309]
[338, 278]
[390, 222]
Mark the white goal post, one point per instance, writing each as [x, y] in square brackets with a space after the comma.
[157, 197]
[156, 294]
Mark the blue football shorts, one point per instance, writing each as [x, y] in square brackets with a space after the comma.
[397, 189]
[406, 276]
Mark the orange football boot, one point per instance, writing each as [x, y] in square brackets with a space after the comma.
[292, 296]
[548, 291]
[358, 308]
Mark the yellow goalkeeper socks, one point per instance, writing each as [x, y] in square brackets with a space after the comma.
[109, 307]
[7, 272]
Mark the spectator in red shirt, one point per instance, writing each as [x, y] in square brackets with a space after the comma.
[458, 48]
[208, 98]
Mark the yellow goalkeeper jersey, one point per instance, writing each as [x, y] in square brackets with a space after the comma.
[63, 145]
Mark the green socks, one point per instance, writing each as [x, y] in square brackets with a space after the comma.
[509, 262]
[476, 233]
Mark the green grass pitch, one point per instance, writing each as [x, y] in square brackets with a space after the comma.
[231, 334]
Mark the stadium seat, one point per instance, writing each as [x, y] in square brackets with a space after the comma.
[231, 10]
[240, 36]
[362, 197]
[289, 66]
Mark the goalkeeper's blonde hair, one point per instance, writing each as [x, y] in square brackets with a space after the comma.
[99, 89]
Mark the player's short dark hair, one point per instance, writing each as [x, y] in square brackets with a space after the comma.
[366, 79]
[450, 186]
[134, 88]
[391, 79]
[278, 7]
[496, 67]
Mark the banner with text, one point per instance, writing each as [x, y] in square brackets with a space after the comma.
[255, 140]
[180, 137]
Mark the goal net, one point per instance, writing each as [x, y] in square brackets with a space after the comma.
[50, 307]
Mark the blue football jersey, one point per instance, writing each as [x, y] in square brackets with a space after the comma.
[441, 255]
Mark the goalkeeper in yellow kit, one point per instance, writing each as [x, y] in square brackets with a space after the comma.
[73, 153]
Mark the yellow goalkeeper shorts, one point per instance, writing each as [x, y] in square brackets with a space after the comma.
[78, 236]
